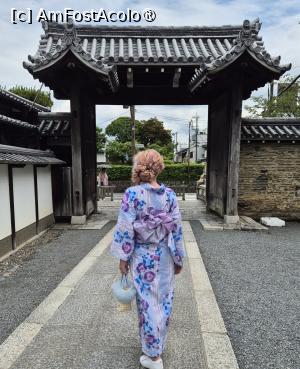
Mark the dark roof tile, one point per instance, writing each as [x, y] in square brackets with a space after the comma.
[22, 101]
[55, 124]
[16, 123]
[270, 129]
[21, 155]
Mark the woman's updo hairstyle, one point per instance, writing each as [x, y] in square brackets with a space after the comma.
[147, 165]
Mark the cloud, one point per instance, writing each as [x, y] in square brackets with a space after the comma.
[280, 31]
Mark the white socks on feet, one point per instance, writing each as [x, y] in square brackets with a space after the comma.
[146, 362]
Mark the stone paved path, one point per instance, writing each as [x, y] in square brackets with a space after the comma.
[88, 332]
[28, 276]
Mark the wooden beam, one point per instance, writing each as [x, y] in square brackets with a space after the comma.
[129, 78]
[77, 184]
[36, 199]
[176, 77]
[83, 138]
[12, 206]
[224, 125]
[233, 162]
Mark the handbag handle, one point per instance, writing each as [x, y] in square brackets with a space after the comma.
[124, 281]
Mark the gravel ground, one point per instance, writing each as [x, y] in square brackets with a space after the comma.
[30, 274]
[256, 278]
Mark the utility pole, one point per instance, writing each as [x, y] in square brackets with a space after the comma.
[132, 115]
[175, 141]
[196, 117]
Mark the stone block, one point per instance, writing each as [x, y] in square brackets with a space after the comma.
[272, 222]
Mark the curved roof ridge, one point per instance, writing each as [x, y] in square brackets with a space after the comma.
[46, 26]
[247, 40]
[22, 100]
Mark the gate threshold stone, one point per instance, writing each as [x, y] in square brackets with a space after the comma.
[211, 222]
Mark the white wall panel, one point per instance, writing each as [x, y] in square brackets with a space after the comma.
[24, 196]
[5, 222]
[44, 191]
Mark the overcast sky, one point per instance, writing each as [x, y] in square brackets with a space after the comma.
[280, 31]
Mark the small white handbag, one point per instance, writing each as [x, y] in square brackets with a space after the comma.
[123, 290]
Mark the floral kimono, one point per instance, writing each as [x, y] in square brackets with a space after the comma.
[148, 235]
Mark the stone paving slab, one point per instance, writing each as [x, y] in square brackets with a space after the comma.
[53, 347]
[28, 279]
[88, 330]
[91, 223]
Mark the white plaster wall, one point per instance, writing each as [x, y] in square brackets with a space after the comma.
[5, 222]
[101, 157]
[44, 191]
[24, 196]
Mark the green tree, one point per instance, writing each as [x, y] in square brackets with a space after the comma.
[100, 139]
[153, 132]
[33, 94]
[286, 105]
[165, 151]
[120, 129]
[118, 152]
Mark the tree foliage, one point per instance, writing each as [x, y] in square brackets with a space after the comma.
[150, 132]
[166, 151]
[100, 139]
[120, 129]
[31, 93]
[286, 105]
[154, 132]
[118, 152]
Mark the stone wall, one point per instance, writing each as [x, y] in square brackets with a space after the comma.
[269, 183]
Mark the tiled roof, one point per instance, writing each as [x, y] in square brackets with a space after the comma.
[105, 47]
[136, 44]
[21, 100]
[270, 129]
[21, 155]
[248, 41]
[55, 124]
[16, 123]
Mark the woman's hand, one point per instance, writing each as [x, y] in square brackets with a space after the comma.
[124, 266]
[178, 268]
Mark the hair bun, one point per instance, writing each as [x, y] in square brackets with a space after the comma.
[147, 165]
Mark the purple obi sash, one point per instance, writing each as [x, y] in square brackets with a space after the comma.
[153, 226]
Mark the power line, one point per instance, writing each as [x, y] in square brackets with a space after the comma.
[151, 114]
[111, 119]
[289, 86]
[161, 115]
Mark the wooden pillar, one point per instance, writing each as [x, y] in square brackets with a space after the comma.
[224, 125]
[233, 159]
[12, 206]
[89, 154]
[83, 138]
[36, 197]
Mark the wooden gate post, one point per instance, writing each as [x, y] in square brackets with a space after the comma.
[83, 139]
[233, 159]
[224, 126]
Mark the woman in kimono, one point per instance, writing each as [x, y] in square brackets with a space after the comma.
[148, 240]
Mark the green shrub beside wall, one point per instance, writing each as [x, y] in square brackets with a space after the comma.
[172, 172]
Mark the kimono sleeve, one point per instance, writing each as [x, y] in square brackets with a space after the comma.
[179, 252]
[122, 245]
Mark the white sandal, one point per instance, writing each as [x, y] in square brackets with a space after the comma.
[146, 362]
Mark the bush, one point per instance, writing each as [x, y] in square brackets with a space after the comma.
[31, 93]
[119, 173]
[171, 173]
